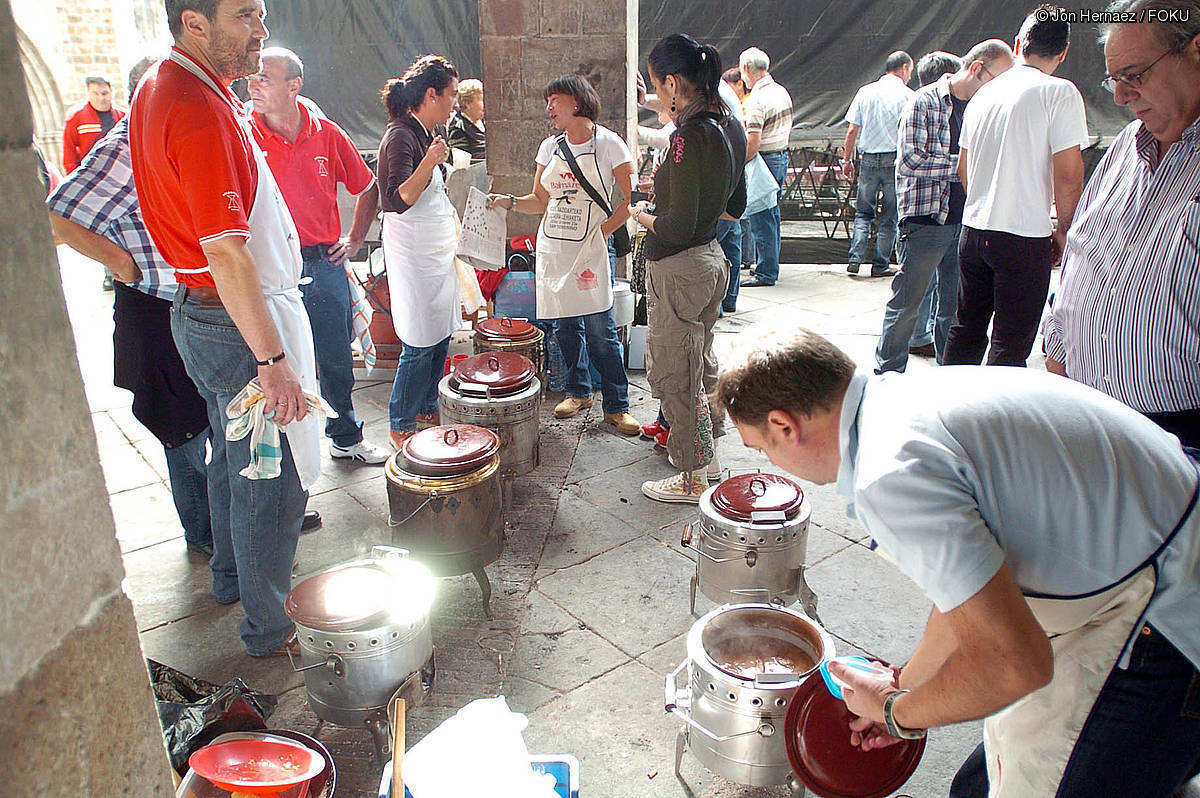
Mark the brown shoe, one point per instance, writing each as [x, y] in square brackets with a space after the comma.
[572, 405]
[625, 423]
[398, 437]
[925, 350]
[289, 648]
[427, 421]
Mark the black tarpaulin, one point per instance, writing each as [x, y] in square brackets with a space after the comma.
[820, 51]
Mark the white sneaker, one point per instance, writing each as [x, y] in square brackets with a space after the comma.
[683, 488]
[712, 470]
[364, 451]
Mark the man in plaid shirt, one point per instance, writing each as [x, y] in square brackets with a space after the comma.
[930, 200]
[95, 211]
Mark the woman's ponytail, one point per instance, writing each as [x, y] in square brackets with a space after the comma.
[708, 76]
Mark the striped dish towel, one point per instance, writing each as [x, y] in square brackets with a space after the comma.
[246, 417]
[361, 313]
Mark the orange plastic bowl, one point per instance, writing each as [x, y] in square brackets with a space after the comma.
[257, 767]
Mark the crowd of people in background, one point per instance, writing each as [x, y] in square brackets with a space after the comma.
[976, 179]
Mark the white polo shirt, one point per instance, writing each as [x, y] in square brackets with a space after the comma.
[1011, 130]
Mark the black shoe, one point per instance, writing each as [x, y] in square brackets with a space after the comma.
[205, 549]
[728, 310]
[312, 520]
[888, 272]
[925, 350]
[852, 268]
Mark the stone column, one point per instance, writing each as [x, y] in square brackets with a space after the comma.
[527, 43]
[76, 713]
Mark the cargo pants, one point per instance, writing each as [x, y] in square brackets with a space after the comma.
[684, 301]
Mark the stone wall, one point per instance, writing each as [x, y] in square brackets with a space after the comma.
[76, 713]
[527, 43]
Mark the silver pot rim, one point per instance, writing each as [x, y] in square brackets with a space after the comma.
[699, 657]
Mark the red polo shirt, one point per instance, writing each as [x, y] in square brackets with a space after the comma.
[193, 166]
[308, 171]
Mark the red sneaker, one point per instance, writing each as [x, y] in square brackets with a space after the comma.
[660, 439]
[651, 430]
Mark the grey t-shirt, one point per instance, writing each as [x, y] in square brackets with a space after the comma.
[959, 469]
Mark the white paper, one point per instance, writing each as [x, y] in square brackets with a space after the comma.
[481, 240]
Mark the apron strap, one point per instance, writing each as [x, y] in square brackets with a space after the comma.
[588, 187]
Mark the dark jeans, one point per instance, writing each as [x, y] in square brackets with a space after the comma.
[188, 474]
[926, 251]
[1141, 738]
[729, 236]
[255, 522]
[876, 175]
[1184, 425]
[415, 389]
[602, 350]
[1004, 274]
[327, 300]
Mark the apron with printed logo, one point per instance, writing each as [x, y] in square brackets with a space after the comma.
[572, 254]
[275, 246]
[418, 249]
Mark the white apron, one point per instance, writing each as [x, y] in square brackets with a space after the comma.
[1029, 743]
[572, 254]
[275, 246]
[418, 250]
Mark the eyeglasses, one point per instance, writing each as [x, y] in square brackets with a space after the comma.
[1132, 81]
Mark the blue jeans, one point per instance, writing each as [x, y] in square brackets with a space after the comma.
[327, 300]
[255, 522]
[188, 472]
[749, 256]
[876, 173]
[1141, 738]
[729, 236]
[764, 225]
[604, 352]
[925, 249]
[922, 334]
[414, 391]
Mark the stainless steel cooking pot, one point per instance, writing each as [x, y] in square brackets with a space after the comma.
[363, 630]
[744, 663]
[751, 540]
[444, 501]
[498, 391]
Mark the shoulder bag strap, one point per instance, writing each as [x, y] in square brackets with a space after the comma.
[569, 156]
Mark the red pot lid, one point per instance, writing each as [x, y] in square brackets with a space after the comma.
[744, 497]
[257, 767]
[817, 736]
[505, 329]
[492, 373]
[449, 450]
[341, 599]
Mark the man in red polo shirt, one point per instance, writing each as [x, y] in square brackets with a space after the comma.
[88, 123]
[309, 156]
[213, 209]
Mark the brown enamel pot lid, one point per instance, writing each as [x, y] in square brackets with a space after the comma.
[449, 450]
[816, 734]
[757, 497]
[505, 329]
[492, 374]
[341, 599]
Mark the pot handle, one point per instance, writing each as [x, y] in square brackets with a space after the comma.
[672, 686]
[388, 553]
[686, 539]
[333, 662]
[674, 701]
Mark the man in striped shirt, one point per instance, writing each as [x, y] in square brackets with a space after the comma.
[1126, 318]
[768, 110]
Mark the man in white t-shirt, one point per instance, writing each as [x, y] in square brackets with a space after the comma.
[1019, 150]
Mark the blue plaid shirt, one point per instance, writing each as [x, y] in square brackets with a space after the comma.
[925, 168]
[100, 196]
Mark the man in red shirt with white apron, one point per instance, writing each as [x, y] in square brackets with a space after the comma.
[215, 213]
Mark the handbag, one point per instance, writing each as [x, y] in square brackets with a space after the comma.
[637, 265]
[621, 241]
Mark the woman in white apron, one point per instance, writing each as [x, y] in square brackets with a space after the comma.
[419, 237]
[574, 274]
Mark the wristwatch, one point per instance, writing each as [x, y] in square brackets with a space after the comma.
[894, 728]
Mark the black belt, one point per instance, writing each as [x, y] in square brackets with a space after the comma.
[315, 251]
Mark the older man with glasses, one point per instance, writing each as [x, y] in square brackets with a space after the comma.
[1126, 318]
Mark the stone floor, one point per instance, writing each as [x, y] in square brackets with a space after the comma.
[591, 604]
